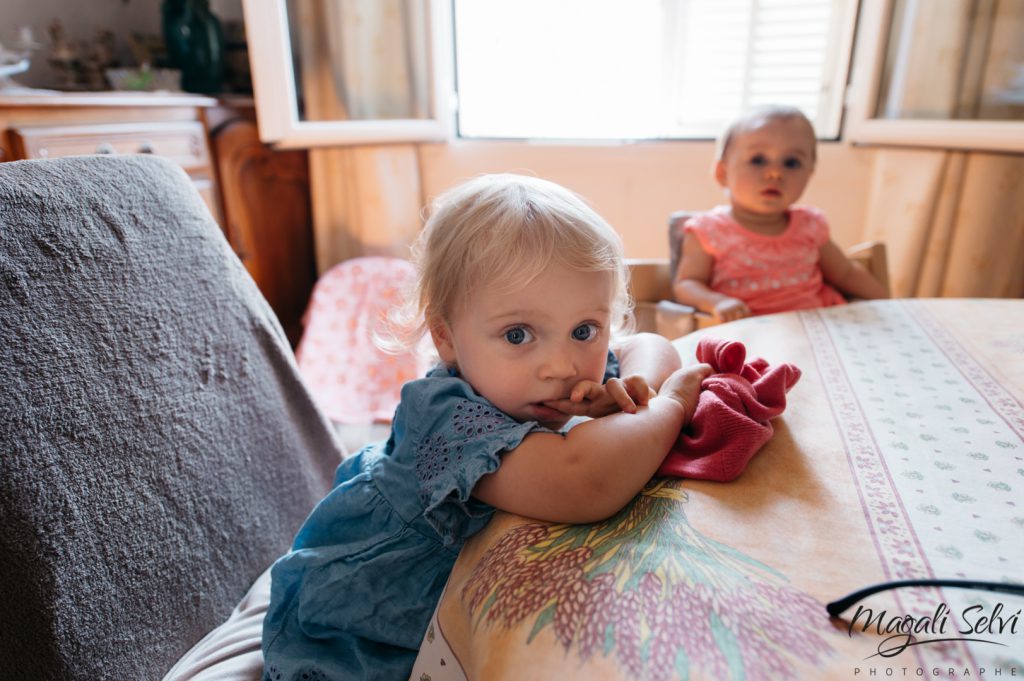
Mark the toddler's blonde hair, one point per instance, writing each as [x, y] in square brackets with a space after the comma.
[505, 230]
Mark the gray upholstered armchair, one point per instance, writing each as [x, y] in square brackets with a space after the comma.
[158, 448]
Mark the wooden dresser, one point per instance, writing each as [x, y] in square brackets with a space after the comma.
[71, 124]
[267, 209]
[259, 196]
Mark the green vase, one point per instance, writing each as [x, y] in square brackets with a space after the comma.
[195, 44]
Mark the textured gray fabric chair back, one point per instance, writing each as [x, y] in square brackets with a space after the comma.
[157, 448]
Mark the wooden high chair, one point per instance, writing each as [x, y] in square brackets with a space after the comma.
[650, 283]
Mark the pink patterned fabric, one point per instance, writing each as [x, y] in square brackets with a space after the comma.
[353, 380]
[768, 273]
[733, 414]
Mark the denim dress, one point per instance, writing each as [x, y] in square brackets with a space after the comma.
[353, 597]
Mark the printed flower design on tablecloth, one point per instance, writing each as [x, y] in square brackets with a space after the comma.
[647, 590]
[985, 536]
[951, 552]
[947, 418]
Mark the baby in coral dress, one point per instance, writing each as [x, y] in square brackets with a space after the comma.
[761, 253]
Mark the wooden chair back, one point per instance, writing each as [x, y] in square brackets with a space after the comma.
[871, 254]
[675, 239]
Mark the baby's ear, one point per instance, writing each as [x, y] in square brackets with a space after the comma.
[719, 172]
[442, 337]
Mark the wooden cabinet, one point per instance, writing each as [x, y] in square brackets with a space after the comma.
[259, 196]
[267, 210]
[71, 124]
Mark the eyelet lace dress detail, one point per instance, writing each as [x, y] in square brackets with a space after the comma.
[438, 452]
[273, 674]
[432, 458]
[473, 418]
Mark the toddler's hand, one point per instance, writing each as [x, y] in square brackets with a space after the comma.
[683, 386]
[589, 398]
[729, 309]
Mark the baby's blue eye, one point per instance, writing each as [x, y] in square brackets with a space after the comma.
[517, 335]
[584, 332]
[758, 160]
[793, 163]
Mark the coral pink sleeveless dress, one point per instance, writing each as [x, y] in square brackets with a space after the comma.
[769, 273]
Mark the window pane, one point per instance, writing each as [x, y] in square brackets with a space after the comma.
[960, 59]
[360, 59]
[641, 69]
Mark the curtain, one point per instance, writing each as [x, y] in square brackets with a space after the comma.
[361, 59]
[953, 222]
[956, 59]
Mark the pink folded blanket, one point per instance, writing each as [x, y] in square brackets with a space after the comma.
[732, 420]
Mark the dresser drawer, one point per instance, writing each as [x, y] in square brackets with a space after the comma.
[182, 142]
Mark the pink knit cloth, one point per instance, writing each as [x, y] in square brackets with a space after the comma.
[734, 409]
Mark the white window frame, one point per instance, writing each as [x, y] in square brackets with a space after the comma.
[841, 69]
[273, 76]
[862, 127]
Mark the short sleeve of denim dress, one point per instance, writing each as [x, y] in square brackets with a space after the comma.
[353, 597]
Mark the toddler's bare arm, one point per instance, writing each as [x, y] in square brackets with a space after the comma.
[848, 276]
[595, 469]
[690, 285]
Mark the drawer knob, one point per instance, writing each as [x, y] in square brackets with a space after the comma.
[105, 148]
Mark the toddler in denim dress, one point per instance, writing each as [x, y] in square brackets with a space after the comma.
[521, 286]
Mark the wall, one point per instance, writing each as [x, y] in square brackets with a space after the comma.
[636, 186]
[81, 20]
[370, 200]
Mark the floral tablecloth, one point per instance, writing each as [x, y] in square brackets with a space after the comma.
[900, 456]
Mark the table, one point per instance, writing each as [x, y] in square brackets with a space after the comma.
[900, 456]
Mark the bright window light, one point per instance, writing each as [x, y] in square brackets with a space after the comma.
[645, 69]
